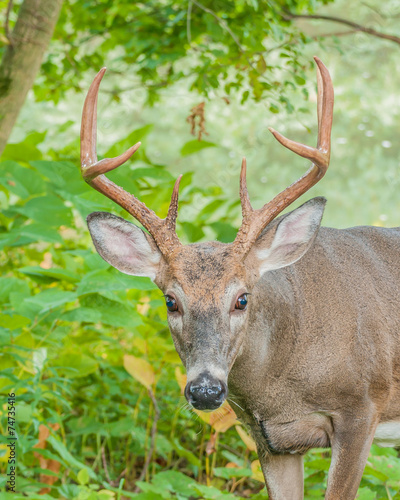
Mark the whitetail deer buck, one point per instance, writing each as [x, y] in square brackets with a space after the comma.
[301, 323]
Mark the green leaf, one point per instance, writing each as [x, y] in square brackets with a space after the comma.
[22, 181]
[319, 464]
[51, 299]
[26, 150]
[299, 80]
[137, 135]
[369, 471]
[195, 146]
[5, 337]
[24, 412]
[83, 315]
[48, 210]
[83, 476]
[62, 174]
[274, 108]
[183, 452]
[389, 466]
[366, 494]
[229, 472]
[210, 209]
[75, 364]
[387, 452]
[212, 493]
[123, 427]
[13, 322]
[225, 232]
[61, 449]
[12, 285]
[14, 239]
[112, 312]
[156, 490]
[110, 280]
[175, 482]
[193, 232]
[53, 274]
[154, 173]
[40, 232]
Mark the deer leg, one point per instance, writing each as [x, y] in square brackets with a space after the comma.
[283, 476]
[351, 443]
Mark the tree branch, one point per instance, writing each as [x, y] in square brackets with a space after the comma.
[334, 19]
[222, 23]
[225, 27]
[23, 56]
[380, 13]
[335, 33]
[7, 22]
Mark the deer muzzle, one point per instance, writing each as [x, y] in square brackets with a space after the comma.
[206, 392]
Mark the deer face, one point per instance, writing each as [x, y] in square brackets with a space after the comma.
[207, 287]
[206, 291]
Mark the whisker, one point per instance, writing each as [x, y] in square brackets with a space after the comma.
[234, 402]
[201, 427]
[184, 406]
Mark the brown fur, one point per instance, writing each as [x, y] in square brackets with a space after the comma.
[314, 359]
[319, 356]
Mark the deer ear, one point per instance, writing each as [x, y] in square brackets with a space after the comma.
[123, 245]
[289, 237]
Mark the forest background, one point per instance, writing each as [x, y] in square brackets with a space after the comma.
[86, 350]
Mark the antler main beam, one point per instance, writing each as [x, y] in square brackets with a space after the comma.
[162, 230]
[254, 221]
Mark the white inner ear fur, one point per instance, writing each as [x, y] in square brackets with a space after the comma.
[293, 237]
[123, 245]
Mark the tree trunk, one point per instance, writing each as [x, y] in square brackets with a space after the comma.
[22, 58]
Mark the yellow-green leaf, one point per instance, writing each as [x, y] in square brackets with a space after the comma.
[247, 440]
[257, 472]
[140, 370]
[83, 476]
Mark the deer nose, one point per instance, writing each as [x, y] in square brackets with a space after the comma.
[206, 393]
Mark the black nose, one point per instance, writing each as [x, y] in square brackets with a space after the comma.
[206, 393]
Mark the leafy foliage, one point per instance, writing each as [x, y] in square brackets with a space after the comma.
[230, 46]
[84, 347]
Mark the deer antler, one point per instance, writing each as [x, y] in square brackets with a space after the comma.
[254, 221]
[162, 230]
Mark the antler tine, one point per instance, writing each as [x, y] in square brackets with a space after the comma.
[254, 221]
[91, 168]
[325, 107]
[320, 101]
[162, 230]
[89, 124]
[320, 155]
[247, 209]
[173, 206]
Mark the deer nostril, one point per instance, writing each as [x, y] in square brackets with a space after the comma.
[205, 393]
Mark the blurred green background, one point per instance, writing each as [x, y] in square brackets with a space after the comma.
[87, 350]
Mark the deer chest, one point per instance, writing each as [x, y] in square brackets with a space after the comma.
[314, 430]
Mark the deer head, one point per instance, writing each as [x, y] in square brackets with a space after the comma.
[208, 285]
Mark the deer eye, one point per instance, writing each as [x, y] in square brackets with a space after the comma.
[171, 304]
[241, 302]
